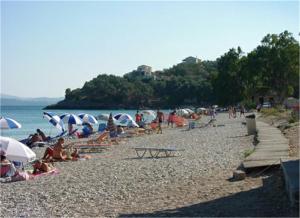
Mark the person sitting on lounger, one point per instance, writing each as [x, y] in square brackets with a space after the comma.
[58, 152]
[41, 167]
[33, 139]
[8, 171]
[86, 131]
[6, 167]
[42, 135]
[120, 130]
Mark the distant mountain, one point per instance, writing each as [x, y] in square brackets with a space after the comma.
[10, 100]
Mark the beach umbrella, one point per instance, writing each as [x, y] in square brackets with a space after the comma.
[149, 112]
[127, 120]
[15, 150]
[71, 119]
[117, 116]
[182, 112]
[189, 110]
[149, 115]
[104, 117]
[8, 123]
[110, 124]
[54, 120]
[87, 118]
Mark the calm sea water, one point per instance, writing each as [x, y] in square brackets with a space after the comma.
[31, 118]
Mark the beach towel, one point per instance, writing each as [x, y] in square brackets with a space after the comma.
[38, 174]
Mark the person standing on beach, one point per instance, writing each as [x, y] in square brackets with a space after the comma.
[230, 112]
[242, 111]
[137, 117]
[171, 118]
[160, 119]
[234, 112]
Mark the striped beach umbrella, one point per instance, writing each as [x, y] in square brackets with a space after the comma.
[71, 119]
[110, 124]
[8, 123]
[87, 118]
[127, 120]
[54, 120]
[104, 117]
[117, 116]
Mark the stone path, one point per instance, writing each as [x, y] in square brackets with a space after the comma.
[271, 148]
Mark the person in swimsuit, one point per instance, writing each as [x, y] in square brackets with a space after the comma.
[160, 119]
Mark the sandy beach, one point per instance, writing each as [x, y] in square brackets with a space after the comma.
[116, 183]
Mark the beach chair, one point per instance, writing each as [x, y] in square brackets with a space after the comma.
[91, 148]
[155, 152]
[102, 127]
[100, 139]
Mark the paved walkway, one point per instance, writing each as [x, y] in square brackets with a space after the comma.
[271, 148]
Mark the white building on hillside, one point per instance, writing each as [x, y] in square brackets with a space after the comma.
[191, 60]
[145, 70]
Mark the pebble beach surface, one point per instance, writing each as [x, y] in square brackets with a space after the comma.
[116, 182]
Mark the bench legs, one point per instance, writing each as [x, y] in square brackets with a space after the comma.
[140, 155]
[155, 154]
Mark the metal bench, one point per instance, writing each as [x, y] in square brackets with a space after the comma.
[155, 152]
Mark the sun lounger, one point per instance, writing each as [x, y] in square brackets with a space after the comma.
[94, 145]
[155, 152]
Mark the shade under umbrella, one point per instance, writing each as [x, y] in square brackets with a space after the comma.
[71, 119]
[88, 118]
[54, 120]
[8, 123]
[15, 150]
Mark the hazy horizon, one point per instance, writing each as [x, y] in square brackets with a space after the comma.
[47, 47]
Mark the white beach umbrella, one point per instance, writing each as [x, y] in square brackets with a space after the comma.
[117, 116]
[88, 118]
[189, 110]
[8, 123]
[71, 119]
[182, 112]
[126, 119]
[15, 150]
[104, 117]
[149, 115]
[54, 120]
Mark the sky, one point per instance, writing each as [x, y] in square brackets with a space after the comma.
[49, 46]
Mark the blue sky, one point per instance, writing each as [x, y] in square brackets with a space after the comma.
[47, 47]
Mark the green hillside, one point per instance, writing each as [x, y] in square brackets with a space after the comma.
[271, 69]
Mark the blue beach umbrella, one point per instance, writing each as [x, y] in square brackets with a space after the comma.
[87, 118]
[54, 120]
[71, 119]
[127, 120]
[8, 123]
[104, 117]
[117, 116]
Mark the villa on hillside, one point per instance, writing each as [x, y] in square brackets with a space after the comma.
[191, 60]
[145, 71]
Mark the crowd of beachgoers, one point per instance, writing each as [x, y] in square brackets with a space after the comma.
[104, 175]
[113, 129]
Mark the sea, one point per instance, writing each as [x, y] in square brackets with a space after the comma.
[31, 118]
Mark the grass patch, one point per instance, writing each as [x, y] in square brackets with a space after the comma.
[270, 112]
[248, 152]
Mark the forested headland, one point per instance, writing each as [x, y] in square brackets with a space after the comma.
[271, 69]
